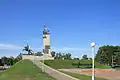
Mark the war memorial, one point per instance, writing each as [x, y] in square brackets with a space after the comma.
[46, 45]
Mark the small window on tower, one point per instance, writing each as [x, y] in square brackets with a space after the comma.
[44, 37]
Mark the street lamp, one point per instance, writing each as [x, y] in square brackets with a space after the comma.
[93, 66]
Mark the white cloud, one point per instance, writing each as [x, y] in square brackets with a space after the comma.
[10, 47]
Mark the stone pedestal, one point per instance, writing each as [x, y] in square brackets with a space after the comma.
[32, 57]
[47, 55]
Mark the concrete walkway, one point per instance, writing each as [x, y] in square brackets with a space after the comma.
[54, 73]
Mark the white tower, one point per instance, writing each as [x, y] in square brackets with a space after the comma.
[46, 41]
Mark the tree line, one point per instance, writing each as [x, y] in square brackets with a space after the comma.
[61, 55]
[10, 60]
[108, 55]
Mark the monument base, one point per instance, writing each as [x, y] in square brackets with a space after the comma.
[33, 57]
[47, 55]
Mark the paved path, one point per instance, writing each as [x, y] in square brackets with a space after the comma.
[54, 73]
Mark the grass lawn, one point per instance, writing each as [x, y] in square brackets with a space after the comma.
[81, 76]
[57, 64]
[24, 70]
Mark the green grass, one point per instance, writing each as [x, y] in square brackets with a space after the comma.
[81, 76]
[118, 69]
[24, 70]
[98, 65]
[57, 64]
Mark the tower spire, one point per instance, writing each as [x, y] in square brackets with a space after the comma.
[44, 26]
[46, 31]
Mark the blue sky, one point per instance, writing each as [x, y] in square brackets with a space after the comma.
[73, 24]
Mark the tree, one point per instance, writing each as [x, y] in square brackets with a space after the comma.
[38, 54]
[18, 58]
[76, 58]
[10, 60]
[67, 56]
[84, 57]
[116, 57]
[61, 55]
[106, 54]
[53, 54]
[57, 56]
[4, 60]
[90, 58]
[7, 60]
[0, 62]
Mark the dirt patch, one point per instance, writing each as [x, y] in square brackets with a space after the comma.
[104, 73]
[27, 78]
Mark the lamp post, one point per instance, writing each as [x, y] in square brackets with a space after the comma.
[93, 66]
